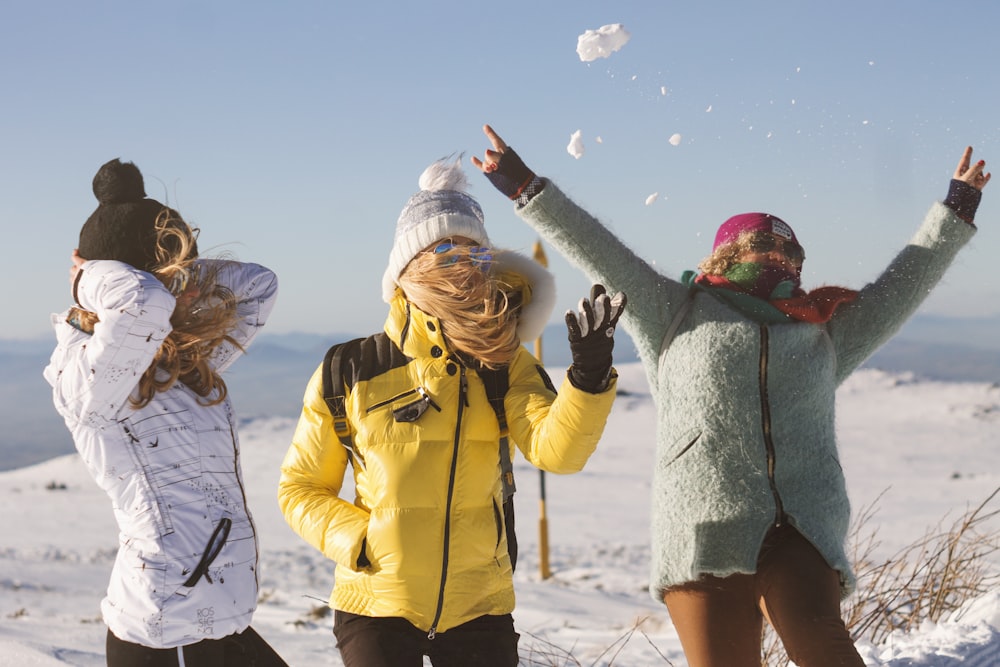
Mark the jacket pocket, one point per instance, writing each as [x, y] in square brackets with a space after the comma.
[406, 407]
[682, 446]
[215, 543]
[498, 520]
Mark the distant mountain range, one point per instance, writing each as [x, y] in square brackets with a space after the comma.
[271, 379]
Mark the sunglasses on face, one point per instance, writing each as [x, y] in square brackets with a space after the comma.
[764, 243]
[480, 256]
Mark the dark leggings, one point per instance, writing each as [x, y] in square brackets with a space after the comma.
[364, 641]
[244, 649]
[720, 620]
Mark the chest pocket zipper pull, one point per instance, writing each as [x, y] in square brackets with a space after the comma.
[411, 412]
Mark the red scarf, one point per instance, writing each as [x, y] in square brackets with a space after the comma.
[816, 306]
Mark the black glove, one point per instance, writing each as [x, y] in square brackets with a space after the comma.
[963, 199]
[511, 176]
[591, 338]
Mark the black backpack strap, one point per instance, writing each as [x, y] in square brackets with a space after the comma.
[333, 394]
[496, 383]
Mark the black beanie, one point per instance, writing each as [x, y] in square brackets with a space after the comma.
[123, 227]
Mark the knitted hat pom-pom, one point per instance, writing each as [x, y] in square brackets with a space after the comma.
[118, 182]
[444, 175]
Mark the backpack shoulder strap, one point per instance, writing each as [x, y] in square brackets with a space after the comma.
[335, 396]
[346, 364]
[496, 383]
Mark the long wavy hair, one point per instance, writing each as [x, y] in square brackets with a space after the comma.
[203, 317]
[477, 310]
[726, 255]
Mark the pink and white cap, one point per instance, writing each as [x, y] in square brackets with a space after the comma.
[753, 222]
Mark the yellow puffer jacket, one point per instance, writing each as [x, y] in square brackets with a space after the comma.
[428, 507]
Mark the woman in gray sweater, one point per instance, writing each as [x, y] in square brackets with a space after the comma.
[749, 505]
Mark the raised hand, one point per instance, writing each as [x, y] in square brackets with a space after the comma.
[491, 158]
[503, 167]
[970, 173]
[591, 338]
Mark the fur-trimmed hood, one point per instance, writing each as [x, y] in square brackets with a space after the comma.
[539, 291]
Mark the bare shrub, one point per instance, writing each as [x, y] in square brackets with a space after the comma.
[925, 580]
[543, 653]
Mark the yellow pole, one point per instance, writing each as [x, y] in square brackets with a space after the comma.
[543, 521]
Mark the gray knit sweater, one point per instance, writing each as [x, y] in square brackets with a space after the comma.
[731, 393]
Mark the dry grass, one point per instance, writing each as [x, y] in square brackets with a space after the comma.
[540, 652]
[926, 580]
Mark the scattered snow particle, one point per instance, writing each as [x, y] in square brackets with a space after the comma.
[770, 134]
[663, 90]
[599, 140]
[871, 63]
[575, 147]
[793, 102]
[635, 76]
[709, 109]
[601, 43]
[675, 139]
[798, 69]
[651, 198]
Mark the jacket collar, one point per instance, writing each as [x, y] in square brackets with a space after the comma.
[415, 332]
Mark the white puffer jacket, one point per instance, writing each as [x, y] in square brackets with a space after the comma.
[187, 560]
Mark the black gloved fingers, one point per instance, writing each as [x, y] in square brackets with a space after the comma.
[573, 326]
[618, 302]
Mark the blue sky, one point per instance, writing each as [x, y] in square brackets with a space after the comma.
[293, 133]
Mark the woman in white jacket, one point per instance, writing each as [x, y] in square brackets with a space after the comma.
[136, 376]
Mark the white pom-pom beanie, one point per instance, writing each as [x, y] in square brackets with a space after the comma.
[440, 210]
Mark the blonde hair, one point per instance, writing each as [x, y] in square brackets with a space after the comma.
[726, 255]
[200, 324]
[476, 309]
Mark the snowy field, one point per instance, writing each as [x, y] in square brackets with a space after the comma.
[929, 449]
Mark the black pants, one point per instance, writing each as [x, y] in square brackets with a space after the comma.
[244, 649]
[364, 641]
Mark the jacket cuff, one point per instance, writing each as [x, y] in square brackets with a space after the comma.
[963, 199]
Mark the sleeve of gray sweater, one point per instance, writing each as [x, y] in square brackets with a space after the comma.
[883, 306]
[604, 258]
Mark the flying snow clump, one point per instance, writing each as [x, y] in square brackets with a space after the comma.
[651, 198]
[675, 140]
[575, 147]
[601, 43]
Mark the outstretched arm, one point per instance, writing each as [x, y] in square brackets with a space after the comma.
[585, 242]
[884, 305]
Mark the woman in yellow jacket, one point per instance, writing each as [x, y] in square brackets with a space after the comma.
[421, 552]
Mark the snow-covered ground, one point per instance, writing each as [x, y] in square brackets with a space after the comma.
[925, 450]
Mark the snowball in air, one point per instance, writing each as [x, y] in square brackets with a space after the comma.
[601, 43]
[675, 140]
[575, 147]
[651, 198]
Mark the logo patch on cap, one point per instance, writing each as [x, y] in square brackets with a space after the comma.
[780, 228]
